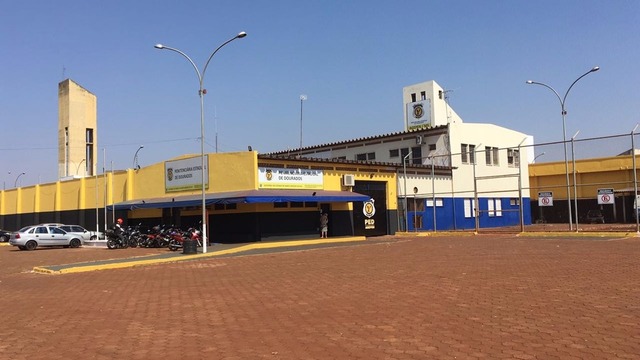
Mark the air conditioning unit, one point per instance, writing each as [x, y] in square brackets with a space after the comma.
[348, 180]
[419, 139]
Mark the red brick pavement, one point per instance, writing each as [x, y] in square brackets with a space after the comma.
[469, 297]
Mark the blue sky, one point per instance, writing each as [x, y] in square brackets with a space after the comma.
[351, 58]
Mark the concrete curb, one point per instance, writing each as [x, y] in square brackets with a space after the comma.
[176, 257]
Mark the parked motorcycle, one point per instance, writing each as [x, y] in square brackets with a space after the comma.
[116, 241]
[178, 238]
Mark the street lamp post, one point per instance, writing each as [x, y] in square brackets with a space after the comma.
[564, 131]
[135, 158]
[15, 184]
[201, 92]
[575, 184]
[302, 98]
[404, 165]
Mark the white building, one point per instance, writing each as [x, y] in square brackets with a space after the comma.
[457, 164]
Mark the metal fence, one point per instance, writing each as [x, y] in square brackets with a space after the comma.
[581, 184]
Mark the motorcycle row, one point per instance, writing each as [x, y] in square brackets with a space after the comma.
[156, 237]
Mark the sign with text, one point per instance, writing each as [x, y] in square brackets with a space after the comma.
[290, 178]
[419, 115]
[185, 174]
[545, 198]
[605, 196]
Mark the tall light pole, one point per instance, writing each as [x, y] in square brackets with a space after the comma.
[404, 165]
[564, 131]
[635, 180]
[135, 158]
[15, 184]
[201, 92]
[302, 98]
[575, 184]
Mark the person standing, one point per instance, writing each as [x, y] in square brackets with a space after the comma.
[324, 225]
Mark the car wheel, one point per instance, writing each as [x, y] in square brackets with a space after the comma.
[31, 245]
[4, 238]
[75, 243]
[94, 237]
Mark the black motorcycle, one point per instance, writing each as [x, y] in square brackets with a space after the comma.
[115, 240]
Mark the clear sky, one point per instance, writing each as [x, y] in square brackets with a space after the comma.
[351, 58]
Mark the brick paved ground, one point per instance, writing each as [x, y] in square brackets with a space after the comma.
[468, 297]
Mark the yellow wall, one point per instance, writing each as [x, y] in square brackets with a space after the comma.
[229, 172]
[592, 174]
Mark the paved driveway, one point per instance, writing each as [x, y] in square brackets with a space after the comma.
[466, 297]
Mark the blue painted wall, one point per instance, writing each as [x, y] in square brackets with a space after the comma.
[450, 216]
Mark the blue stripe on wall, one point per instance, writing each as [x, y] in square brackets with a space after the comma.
[450, 216]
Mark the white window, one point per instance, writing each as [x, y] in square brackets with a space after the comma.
[468, 153]
[438, 202]
[472, 154]
[495, 207]
[491, 155]
[464, 156]
[513, 157]
[469, 208]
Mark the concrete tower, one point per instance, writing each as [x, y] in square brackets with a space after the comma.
[77, 130]
[426, 106]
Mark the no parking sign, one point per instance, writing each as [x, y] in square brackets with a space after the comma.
[605, 196]
[545, 198]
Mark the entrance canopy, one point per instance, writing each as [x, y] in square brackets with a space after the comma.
[244, 197]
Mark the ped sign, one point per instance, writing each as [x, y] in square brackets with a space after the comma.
[605, 196]
[545, 198]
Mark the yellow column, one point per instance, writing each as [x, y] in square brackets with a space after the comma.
[58, 198]
[129, 194]
[83, 193]
[36, 205]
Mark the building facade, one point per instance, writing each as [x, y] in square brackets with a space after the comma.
[489, 175]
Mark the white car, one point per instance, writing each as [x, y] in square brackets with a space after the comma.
[83, 233]
[30, 237]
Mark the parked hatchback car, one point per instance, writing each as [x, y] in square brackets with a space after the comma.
[82, 232]
[4, 235]
[594, 217]
[31, 237]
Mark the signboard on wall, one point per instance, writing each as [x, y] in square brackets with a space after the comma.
[419, 115]
[290, 178]
[545, 198]
[605, 196]
[185, 174]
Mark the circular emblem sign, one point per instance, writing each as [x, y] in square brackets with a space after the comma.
[170, 174]
[418, 111]
[269, 174]
[369, 209]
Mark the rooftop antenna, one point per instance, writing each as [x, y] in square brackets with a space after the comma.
[445, 93]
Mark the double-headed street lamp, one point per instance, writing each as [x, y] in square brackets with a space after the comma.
[201, 92]
[564, 131]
